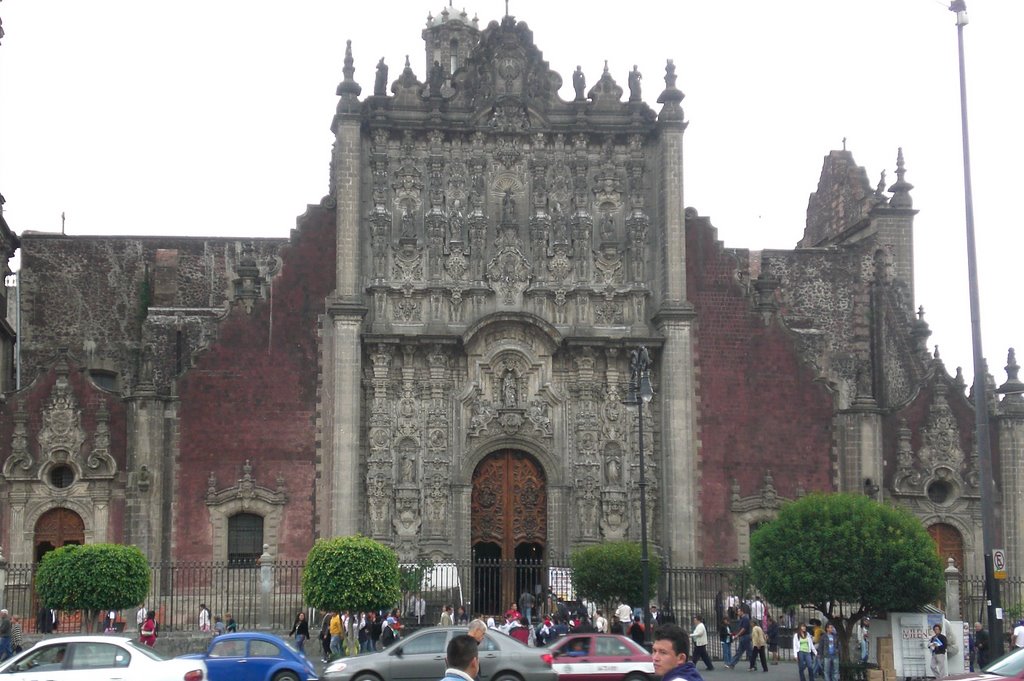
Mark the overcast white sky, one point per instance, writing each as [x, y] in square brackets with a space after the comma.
[206, 117]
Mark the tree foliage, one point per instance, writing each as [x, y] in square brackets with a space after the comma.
[93, 578]
[611, 572]
[847, 556]
[351, 573]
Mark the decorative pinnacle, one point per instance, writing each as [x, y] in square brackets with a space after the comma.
[1013, 386]
[348, 86]
[671, 96]
[901, 188]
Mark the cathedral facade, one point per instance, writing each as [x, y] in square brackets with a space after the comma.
[438, 356]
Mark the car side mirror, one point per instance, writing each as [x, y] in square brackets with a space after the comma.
[398, 651]
[556, 653]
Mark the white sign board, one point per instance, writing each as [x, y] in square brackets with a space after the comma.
[910, 634]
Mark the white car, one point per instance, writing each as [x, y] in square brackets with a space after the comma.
[68, 658]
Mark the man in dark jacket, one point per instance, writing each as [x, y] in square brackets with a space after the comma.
[669, 654]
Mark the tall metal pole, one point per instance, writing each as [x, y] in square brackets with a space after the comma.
[645, 566]
[981, 434]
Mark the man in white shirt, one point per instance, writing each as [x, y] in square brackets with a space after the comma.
[1018, 635]
[757, 610]
[624, 613]
[601, 622]
[463, 659]
[140, 617]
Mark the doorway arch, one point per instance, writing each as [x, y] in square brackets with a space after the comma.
[55, 528]
[509, 528]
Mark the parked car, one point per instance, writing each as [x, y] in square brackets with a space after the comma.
[99, 657]
[421, 657]
[254, 656]
[600, 657]
[1009, 666]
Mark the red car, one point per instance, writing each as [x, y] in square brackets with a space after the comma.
[1009, 666]
[600, 657]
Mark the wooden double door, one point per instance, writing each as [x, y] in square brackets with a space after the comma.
[55, 528]
[509, 529]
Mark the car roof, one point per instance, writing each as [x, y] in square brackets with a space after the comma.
[84, 638]
[235, 635]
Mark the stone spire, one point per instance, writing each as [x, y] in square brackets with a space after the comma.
[901, 188]
[1013, 388]
[670, 98]
[348, 89]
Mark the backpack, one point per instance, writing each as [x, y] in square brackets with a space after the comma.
[387, 636]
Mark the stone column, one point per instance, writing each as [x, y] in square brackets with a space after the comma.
[151, 458]
[952, 592]
[264, 621]
[342, 397]
[859, 450]
[3, 579]
[1009, 427]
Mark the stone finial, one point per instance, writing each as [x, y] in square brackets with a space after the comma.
[880, 188]
[348, 89]
[920, 331]
[671, 96]
[959, 379]
[1013, 389]
[901, 188]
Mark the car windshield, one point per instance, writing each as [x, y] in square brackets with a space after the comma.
[146, 650]
[1007, 665]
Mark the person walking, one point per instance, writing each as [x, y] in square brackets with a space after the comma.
[773, 639]
[980, 646]
[863, 640]
[147, 635]
[526, 605]
[804, 652]
[937, 644]
[300, 630]
[325, 637]
[17, 635]
[742, 636]
[1018, 635]
[5, 635]
[725, 637]
[204, 618]
[446, 617]
[828, 652]
[699, 636]
[758, 642]
[336, 631]
[140, 617]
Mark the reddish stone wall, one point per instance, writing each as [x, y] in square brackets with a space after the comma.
[252, 395]
[759, 407]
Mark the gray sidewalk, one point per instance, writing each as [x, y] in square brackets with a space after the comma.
[783, 671]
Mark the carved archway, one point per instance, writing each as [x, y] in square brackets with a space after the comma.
[509, 527]
[949, 543]
[55, 528]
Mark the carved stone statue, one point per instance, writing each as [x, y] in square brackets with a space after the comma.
[408, 468]
[436, 79]
[607, 227]
[508, 207]
[634, 85]
[508, 390]
[579, 83]
[380, 84]
[407, 225]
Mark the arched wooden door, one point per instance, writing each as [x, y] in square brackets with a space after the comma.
[55, 528]
[509, 528]
[948, 544]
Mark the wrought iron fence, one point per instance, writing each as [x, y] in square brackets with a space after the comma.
[480, 587]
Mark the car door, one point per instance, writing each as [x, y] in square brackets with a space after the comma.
[91, 660]
[489, 653]
[226, 660]
[614, 658]
[42, 663]
[419, 658]
[263, 655]
[574, 661]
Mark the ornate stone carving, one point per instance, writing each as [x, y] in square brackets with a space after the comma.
[20, 463]
[100, 463]
[62, 420]
[560, 266]
[509, 275]
[408, 262]
[245, 491]
[614, 519]
[537, 413]
[588, 502]
[482, 412]
[608, 266]
[907, 476]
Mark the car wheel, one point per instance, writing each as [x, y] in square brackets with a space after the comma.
[286, 676]
[366, 677]
[636, 677]
[507, 676]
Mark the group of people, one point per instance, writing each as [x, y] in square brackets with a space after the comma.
[11, 635]
[350, 633]
[751, 629]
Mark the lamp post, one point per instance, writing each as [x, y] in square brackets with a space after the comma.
[641, 393]
[981, 436]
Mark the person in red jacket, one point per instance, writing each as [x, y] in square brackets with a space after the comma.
[520, 631]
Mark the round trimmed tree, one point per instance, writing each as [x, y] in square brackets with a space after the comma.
[847, 556]
[93, 578]
[611, 572]
[353, 573]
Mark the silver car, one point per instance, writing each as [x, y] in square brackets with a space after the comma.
[420, 657]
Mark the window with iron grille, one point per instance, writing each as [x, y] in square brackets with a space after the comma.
[245, 539]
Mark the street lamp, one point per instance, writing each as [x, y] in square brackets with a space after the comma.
[641, 393]
[981, 436]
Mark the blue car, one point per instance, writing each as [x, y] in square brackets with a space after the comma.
[254, 656]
